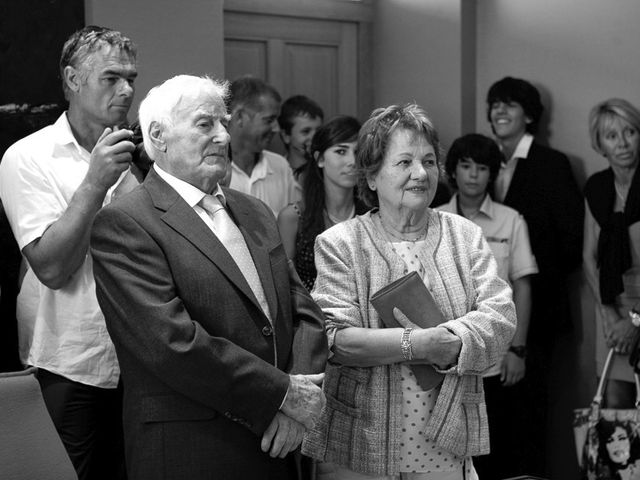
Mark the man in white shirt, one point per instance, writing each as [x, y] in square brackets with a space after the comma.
[254, 107]
[52, 183]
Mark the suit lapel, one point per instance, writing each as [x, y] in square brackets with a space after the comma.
[184, 220]
[247, 220]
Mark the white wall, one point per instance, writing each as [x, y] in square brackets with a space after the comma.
[173, 37]
[416, 49]
[578, 52]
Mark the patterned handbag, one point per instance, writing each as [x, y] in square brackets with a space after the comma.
[608, 440]
[634, 357]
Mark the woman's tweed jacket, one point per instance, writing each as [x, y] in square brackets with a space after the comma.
[360, 425]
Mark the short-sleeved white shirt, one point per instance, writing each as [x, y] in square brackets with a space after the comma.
[271, 181]
[62, 330]
[506, 232]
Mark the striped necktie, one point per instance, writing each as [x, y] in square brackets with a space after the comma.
[230, 236]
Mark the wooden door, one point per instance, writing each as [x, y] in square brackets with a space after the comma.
[308, 56]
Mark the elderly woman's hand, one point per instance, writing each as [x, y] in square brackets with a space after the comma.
[436, 346]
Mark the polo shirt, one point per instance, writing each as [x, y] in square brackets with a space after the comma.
[271, 181]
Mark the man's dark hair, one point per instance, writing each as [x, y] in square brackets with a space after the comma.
[511, 89]
[478, 148]
[298, 106]
[245, 92]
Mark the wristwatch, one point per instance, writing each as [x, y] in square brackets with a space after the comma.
[518, 350]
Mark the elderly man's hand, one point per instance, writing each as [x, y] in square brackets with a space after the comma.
[282, 436]
[305, 399]
[109, 158]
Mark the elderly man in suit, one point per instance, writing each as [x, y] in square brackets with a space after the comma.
[220, 346]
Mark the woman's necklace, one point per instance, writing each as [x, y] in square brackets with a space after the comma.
[622, 192]
[336, 220]
[420, 236]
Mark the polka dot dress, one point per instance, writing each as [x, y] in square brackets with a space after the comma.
[417, 454]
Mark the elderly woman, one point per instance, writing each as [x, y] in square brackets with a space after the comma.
[612, 239]
[378, 422]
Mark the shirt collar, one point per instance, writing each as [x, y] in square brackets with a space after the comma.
[522, 149]
[192, 195]
[486, 208]
[260, 170]
[63, 134]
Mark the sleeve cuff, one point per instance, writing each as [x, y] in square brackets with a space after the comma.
[285, 397]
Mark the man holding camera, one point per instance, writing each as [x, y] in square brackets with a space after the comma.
[52, 183]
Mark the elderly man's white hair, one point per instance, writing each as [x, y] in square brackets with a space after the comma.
[162, 101]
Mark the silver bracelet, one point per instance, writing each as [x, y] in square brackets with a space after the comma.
[405, 344]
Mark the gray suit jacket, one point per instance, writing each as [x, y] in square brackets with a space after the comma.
[203, 370]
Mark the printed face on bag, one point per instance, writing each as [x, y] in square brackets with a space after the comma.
[618, 446]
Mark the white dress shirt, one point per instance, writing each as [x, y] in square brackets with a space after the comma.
[62, 330]
[194, 197]
[503, 181]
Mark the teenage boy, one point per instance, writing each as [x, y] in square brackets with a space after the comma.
[299, 119]
[538, 182]
[472, 165]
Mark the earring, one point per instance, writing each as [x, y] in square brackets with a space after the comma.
[372, 186]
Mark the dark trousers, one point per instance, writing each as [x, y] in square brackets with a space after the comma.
[517, 423]
[89, 422]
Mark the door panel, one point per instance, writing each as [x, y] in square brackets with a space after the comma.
[308, 56]
[313, 69]
[242, 57]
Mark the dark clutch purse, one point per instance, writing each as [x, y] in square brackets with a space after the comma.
[410, 295]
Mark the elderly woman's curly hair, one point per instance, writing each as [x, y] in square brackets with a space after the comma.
[374, 138]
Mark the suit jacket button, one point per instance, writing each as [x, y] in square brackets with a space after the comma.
[267, 331]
